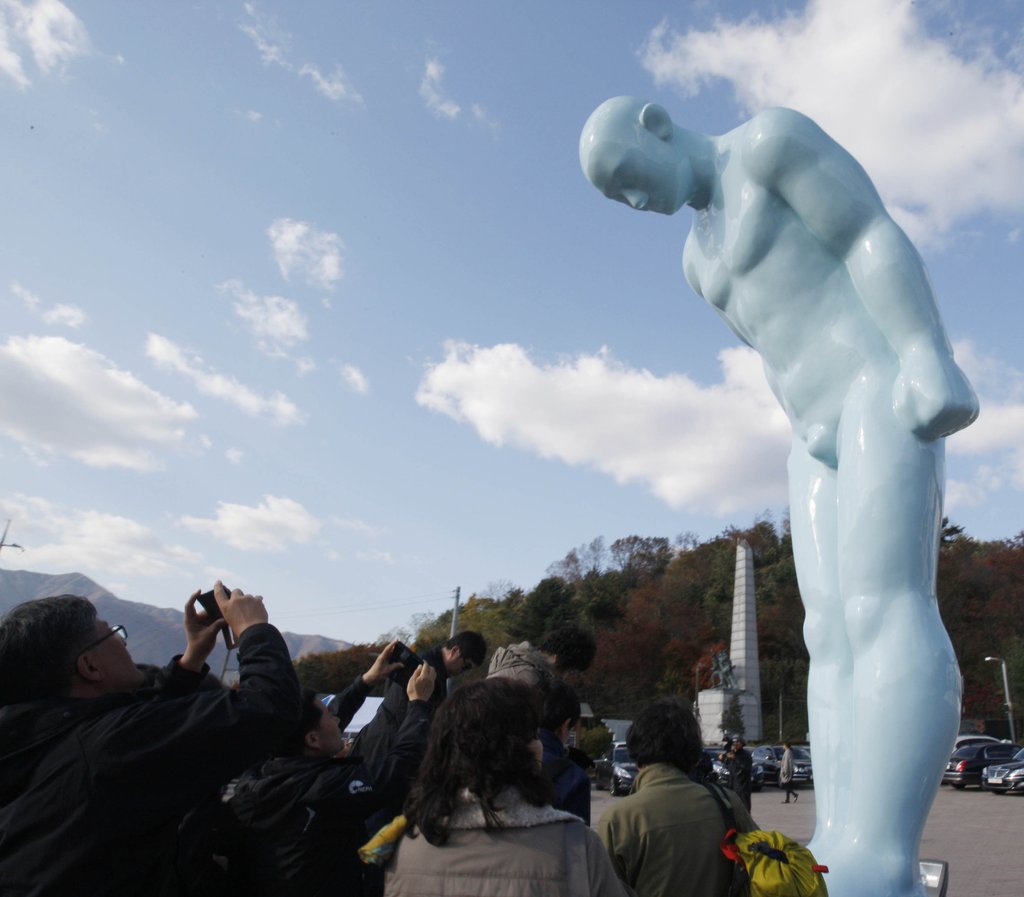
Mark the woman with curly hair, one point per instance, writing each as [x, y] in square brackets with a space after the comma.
[479, 815]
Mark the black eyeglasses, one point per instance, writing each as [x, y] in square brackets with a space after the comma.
[114, 630]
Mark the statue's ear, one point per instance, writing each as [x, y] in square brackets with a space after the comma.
[656, 120]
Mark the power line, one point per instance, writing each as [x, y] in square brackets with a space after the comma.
[329, 611]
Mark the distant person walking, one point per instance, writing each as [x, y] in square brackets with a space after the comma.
[786, 773]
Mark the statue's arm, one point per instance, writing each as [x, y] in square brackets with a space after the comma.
[834, 198]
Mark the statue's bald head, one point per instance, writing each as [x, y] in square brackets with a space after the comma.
[627, 151]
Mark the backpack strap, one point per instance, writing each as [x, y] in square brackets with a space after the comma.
[724, 805]
[730, 851]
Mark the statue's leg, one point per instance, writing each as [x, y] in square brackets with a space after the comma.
[812, 517]
[906, 683]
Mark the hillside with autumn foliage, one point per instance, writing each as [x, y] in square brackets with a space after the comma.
[659, 609]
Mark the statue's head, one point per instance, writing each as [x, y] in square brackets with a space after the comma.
[629, 152]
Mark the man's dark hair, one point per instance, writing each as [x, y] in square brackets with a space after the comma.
[561, 703]
[471, 645]
[39, 643]
[666, 732]
[294, 743]
[573, 645]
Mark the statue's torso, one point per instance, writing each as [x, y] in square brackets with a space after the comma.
[786, 295]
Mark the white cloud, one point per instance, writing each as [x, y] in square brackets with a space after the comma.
[942, 136]
[46, 29]
[433, 94]
[169, 356]
[61, 314]
[273, 525]
[690, 445]
[355, 379]
[304, 366]
[300, 248]
[334, 87]
[68, 315]
[31, 300]
[996, 438]
[271, 41]
[377, 557]
[358, 526]
[234, 455]
[62, 398]
[91, 541]
[481, 117]
[277, 323]
[266, 36]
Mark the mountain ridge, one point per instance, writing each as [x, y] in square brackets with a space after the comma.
[156, 634]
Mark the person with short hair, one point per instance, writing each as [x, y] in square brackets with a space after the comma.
[560, 713]
[664, 838]
[569, 647]
[741, 769]
[95, 779]
[480, 819]
[461, 653]
[301, 816]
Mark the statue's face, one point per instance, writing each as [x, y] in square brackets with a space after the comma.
[629, 163]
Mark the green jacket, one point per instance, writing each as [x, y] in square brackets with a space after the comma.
[664, 838]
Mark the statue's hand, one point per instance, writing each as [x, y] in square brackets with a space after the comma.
[932, 396]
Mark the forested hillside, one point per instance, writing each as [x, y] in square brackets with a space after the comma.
[659, 609]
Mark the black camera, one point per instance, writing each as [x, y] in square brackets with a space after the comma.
[409, 660]
[209, 604]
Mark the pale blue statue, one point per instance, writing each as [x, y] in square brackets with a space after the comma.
[792, 246]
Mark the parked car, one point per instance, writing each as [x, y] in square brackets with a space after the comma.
[1004, 776]
[615, 769]
[964, 740]
[770, 757]
[965, 766]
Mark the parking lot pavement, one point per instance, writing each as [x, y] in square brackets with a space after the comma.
[977, 833]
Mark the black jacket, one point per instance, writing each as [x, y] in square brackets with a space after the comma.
[301, 819]
[92, 790]
[374, 741]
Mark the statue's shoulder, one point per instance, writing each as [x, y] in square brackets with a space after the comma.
[780, 122]
[776, 139]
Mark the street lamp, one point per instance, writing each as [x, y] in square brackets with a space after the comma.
[1006, 691]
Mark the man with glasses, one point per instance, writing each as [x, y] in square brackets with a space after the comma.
[95, 778]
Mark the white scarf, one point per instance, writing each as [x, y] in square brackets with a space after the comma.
[511, 809]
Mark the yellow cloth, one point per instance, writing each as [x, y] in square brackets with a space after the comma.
[379, 849]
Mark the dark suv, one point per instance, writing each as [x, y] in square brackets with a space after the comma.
[965, 766]
[615, 769]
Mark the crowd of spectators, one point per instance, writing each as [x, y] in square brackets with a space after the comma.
[118, 779]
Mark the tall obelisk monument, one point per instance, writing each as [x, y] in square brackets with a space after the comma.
[743, 647]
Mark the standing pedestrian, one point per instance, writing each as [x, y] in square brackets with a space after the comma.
[786, 773]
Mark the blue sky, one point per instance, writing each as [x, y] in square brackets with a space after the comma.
[314, 297]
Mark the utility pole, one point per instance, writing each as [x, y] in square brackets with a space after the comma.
[1006, 692]
[455, 615]
[455, 626]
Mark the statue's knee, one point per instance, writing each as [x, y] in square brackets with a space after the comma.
[864, 617]
[825, 637]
